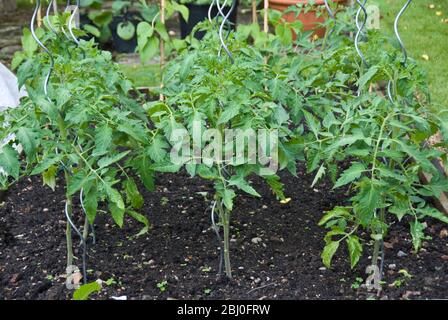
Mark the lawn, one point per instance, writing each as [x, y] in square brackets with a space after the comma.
[142, 75]
[424, 30]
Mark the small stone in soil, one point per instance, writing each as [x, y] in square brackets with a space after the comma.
[401, 254]
[256, 240]
[443, 233]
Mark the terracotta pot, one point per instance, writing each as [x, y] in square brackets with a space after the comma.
[310, 20]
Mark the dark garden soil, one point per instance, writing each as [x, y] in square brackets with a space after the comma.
[275, 249]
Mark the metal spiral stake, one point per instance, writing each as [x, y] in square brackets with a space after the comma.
[33, 33]
[83, 241]
[400, 42]
[215, 228]
[75, 10]
[360, 27]
[332, 16]
[47, 16]
[221, 27]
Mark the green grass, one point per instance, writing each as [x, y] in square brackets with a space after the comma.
[423, 33]
[142, 76]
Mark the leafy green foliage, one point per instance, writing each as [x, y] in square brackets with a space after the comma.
[87, 126]
[86, 290]
[384, 140]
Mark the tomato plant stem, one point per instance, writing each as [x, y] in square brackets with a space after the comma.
[224, 215]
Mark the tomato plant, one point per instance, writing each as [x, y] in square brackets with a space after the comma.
[85, 125]
[204, 91]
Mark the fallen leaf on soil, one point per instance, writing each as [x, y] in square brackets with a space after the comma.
[285, 201]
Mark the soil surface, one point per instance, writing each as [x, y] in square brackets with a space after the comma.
[275, 250]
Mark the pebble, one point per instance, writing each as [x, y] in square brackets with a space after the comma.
[392, 266]
[256, 240]
[401, 254]
[322, 268]
[443, 233]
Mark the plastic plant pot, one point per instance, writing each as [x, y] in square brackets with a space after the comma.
[310, 20]
[199, 13]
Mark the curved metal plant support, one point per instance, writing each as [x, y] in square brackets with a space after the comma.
[33, 33]
[332, 16]
[83, 241]
[47, 15]
[224, 22]
[360, 27]
[216, 229]
[400, 42]
[70, 21]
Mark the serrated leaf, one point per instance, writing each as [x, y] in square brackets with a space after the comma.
[91, 204]
[227, 196]
[366, 203]
[49, 177]
[362, 81]
[133, 196]
[229, 113]
[336, 212]
[9, 161]
[45, 164]
[84, 291]
[140, 218]
[117, 214]
[351, 174]
[28, 140]
[328, 253]
[354, 249]
[114, 196]
[242, 184]
[318, 175]
[433, 213]
[103, 140]
[417, 233]
[276, 185]
[107, 161]
[146, 174]
[77, 181]
[156, 150]
[312, 122]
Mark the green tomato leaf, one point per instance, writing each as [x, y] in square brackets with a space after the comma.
[328, 253]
